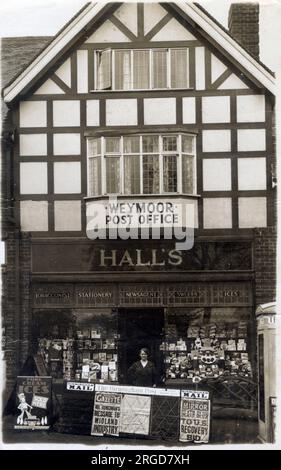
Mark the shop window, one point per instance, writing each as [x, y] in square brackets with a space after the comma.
[78, 345]
[207, 343]
[142, 69]
[142, 164]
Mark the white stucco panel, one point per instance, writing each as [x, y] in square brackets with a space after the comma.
[67, 215]
[174, 31]
[107, 32]
[200, 68]
[64, 72]
[33, 114]
[232, 83]
[153, 13]
[34, 216]
[188, 110]
[216, 140]
[67, 177]
[217, 174]
[33, 178]
[251, 139]
[217, 68]
[217, 212]
[215, 109]
[251, 174]
[251, 108]
[66, 113]
[67, 144]
[127, 14]
[93, 112]
[49, 88]
[82, 71]
[122, 112]
[160, 111]
[252, 212]
[33, 144]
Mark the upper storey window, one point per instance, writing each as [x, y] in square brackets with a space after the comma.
[142, 164]
[142, 69]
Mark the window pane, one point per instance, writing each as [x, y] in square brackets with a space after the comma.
[104, 69]
[187, 144]
[169, 143]
[132, 174]
[112, 175]
[170, 173]
[187, 174]
[131, 144]
[150, 168]
[141, 69]
[150, 143]
[112, 144]
[159, 69]
[179, 68]
[95, 176]
[94, 147]
[122, 70]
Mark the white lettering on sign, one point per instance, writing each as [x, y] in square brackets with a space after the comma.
[39, 402]
[155, 257]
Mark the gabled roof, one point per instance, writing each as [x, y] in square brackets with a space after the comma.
[92, 13]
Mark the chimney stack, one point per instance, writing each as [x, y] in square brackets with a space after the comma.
[243, 25]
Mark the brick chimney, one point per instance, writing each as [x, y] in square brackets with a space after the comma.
[243, 25]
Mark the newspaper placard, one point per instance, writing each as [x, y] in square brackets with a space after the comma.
[106, 415]
[195, 417]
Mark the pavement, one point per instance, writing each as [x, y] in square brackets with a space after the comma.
[224, 432]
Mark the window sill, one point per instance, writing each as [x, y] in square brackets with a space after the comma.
[142, 196]
[142, 90]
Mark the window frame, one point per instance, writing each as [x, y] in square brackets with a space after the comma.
[160, 153]
[150, 51]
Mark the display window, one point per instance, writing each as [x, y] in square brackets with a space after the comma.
[78, 345]
[207, 343]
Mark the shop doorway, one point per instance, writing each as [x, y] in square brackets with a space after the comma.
[140, 328]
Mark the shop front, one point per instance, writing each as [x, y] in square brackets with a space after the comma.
[193, 331]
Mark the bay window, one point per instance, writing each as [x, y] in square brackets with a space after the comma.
[142, 164]
[142, 69]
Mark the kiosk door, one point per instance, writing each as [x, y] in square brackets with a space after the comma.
[140, 328]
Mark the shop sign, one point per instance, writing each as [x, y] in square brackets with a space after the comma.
[55, 295]
[106, 414]
[137, 390]
[80, 386]
[97, 295]
[33, 402]
[194, 416]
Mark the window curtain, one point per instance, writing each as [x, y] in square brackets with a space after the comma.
[159, 69]
[151, 174]
[104, 69]
[122, 70]
[132, 174]
[170, 173]
[179, 73]
[141, 69]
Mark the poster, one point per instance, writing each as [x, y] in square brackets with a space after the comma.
[195, 417]
[135, 414]
[106, 415]
[34, 397]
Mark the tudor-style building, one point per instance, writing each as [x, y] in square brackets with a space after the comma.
[152, 104]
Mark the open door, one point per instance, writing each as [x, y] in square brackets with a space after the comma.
[140, 328]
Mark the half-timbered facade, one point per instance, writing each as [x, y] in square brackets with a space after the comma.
[147, 103]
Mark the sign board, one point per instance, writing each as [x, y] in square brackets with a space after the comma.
[106, 415]
[195, 416]
[34, 396]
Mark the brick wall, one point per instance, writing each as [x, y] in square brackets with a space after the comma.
[265, 264]
[15, 304]
[243, 25]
